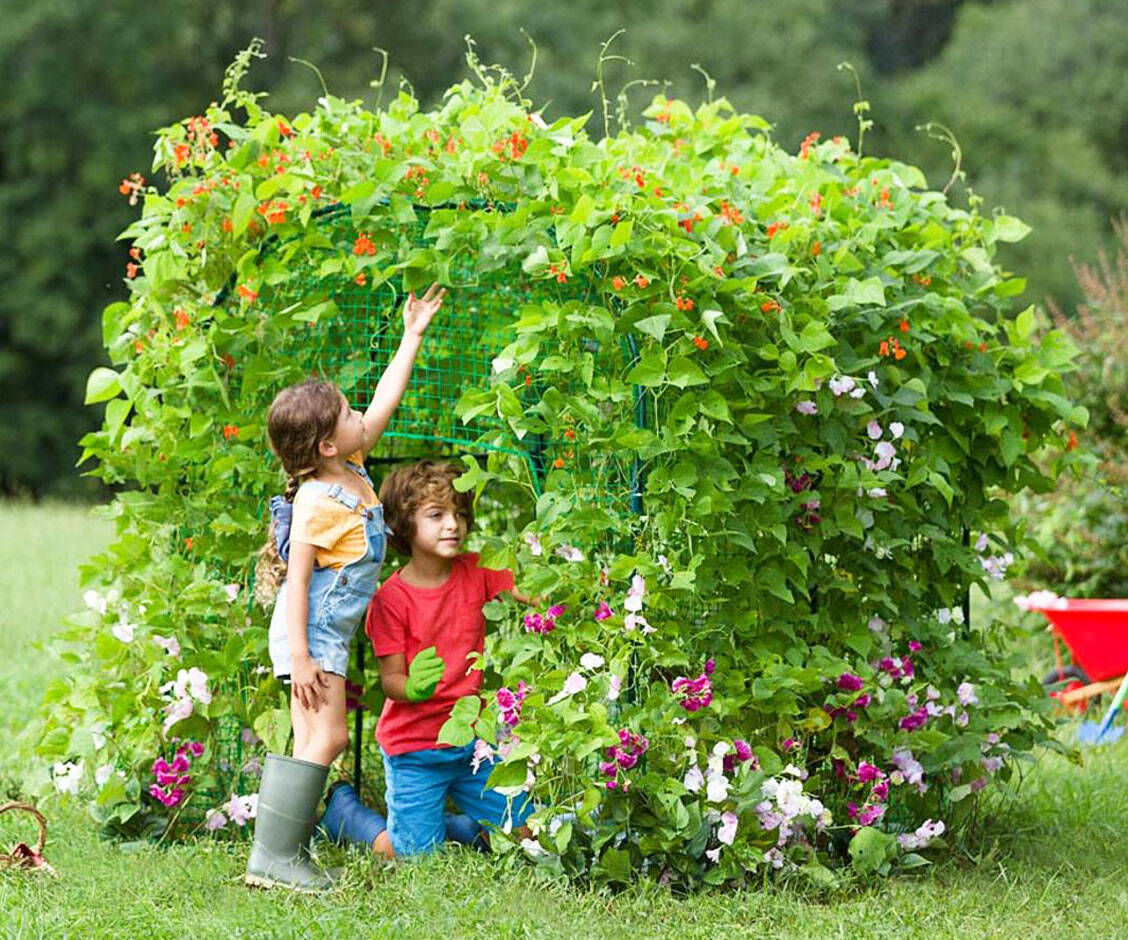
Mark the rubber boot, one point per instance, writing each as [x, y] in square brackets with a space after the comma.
[287, 813]
[348, 819]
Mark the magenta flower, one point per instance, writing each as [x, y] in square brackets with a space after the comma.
[850, 683]
[915, 720]
[868, 772]
[880, 791]
[871, 814]
[914, 646]
[743, 750]
[170, 797]
[862, 701]
[195, 748]
[789, 744]
[695, 693]
[710, 666]
[978, 784]
[604, 611]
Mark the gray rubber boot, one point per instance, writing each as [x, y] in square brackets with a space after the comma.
[287, 813]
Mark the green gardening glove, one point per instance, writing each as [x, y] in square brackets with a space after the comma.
[423, 676]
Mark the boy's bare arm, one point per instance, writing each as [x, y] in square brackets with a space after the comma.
[414, 684]
[393, 675]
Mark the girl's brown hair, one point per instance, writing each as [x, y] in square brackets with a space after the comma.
[405, 489]
[300, 418]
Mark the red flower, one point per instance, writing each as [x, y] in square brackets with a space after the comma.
[247, 294]
[1072, 444]
[570, 434]
[769, 305]
[189, 543]
[230, 431]
[363, 245]
[904, 325]
[641, 281]
[284, 129]
[683, 303]
[558, 463]
[883, 349]
[226, 225]
[361, 279]
[131, 270]
[180, 153]
[700, 343]
[182, 319]
[816, 249]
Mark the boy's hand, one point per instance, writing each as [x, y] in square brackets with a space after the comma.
[423, 676]
[418, 311]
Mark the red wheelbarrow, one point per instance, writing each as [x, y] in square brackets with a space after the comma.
[1095, 630]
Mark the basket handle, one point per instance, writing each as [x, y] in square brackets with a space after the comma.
[21, 854]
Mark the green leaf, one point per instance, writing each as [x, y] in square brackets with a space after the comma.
[684, 372]
[273, 726]
[458, 729]
[622, 233]
[102, 385]
[654, 326]
[870, 849]
[1010, 229]
[867, 293]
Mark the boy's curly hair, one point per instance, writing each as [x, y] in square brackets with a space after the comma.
[407, 488]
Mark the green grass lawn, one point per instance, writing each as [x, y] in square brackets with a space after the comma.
[1055, 864]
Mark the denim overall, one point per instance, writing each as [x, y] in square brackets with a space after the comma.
[338, 597]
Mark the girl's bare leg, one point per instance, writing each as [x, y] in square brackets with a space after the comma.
[320, 736]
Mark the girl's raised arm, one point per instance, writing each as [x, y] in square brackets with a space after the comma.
[417, 314]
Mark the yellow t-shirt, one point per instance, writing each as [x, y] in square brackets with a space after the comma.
[336, 531]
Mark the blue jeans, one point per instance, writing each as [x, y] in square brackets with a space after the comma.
[418, 784]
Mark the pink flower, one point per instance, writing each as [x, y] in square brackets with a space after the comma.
[214, 820]
[169, 644]
[695, 693]
[604, 611]
[807, 408]
[873, 429]
[726, 831]
[242, 808]
[880, 791]
[534, 543]
[614, 687]
[850, 683]
[570, 553]
[868, 772]
[694, 779]
[966, 694]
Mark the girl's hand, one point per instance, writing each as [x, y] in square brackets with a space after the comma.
[423, 676]
[418, 311]
[310, 685]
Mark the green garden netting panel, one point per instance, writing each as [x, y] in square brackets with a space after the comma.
[354, 343]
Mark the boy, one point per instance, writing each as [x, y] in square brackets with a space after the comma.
[429, 615]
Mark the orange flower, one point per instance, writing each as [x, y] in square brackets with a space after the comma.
[618, 283]
[138, 345]
[284, 128]
[768, 306]
[361, 279]
[777, 227]
[719, 271]
[226, 225]
[700, 343]
[683, 303]
[983, 347]
[189, 543]
[1072, 445]
[899, 353]
[904, 325]
[642, 281]
[558, 463]
[883, 349]
[131, 270]
[570, 434]
[816, 249]
[182, 319]
[135, 253]
[180, 153]
[528, 380]
[363, 245]
[247, 294]
[315, 192]
[228, 360]
[230, 431]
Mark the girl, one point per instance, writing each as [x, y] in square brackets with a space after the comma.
[334, 540]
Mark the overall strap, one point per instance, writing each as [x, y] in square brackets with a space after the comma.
[343, 496]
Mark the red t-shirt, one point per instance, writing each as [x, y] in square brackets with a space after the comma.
[405, 619]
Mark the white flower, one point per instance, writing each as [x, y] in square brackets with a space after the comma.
[981, 542]
[214, 820]
[873, 429]
[720, 749]
[694, 779]
[716, 790]
[533, 848]
[714, 855]
[591, 660]
[774, 856]
[859, 392]
[614, 687]
[177, 710]
[232, 591]
[877, 492]
[67, 776]
[169, 644]
[966, 694]
[807, 408]
[98, 737]
[665, 563]
[573, 684]
[95, 602]
[482, 753]
[635, 594]
[872, 377]
[840, 385]
[944, 615]
[726, 831]
[123, 631]
[501, 363]
[876, 624]
[103, 773]
[631, 621]
[690, 741]
[570, 553]
[896, 429]
[885, 452]
[534, 543]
